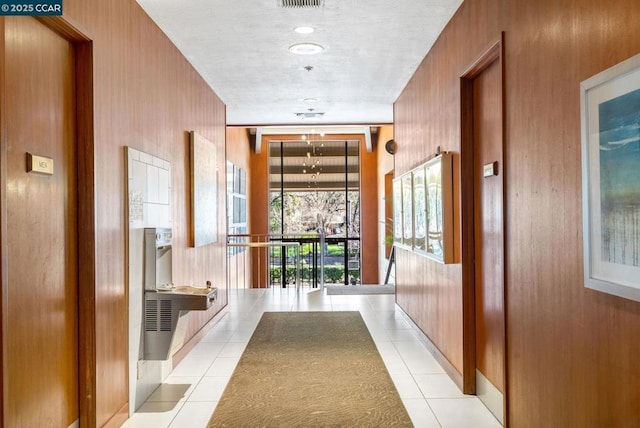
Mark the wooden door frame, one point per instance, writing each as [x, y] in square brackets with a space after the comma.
[467, 193]
[86, 232]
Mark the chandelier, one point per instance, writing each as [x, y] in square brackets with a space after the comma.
[312, 164]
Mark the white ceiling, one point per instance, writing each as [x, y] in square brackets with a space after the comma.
[241, 48]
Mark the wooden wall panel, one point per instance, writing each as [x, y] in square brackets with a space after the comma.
[385, 205]
[239, 148]
[595, 335]
[369, 221]
[3, 215]
[146, 95]
[427, 116]
[572, 352]
[258, 208]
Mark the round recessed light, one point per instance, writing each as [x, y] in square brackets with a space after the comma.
[305, 49]
[310, 100]
[304, 30]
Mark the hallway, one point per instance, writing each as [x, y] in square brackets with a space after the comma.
[189, 395]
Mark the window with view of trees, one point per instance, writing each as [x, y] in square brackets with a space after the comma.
[315, 191]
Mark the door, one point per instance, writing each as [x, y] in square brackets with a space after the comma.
[489, 237]
[41, 311]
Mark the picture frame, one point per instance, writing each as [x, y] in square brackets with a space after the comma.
[610, 112]
[419, 197]
[204, 190]
[439, 244]
[397, 211]
[407, 211]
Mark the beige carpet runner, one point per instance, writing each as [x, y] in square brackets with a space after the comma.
[310, 369]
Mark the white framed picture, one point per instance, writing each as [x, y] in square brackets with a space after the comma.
[419, 209]
[610, 115]
[439, 205]
[397, 211]
[407, 211]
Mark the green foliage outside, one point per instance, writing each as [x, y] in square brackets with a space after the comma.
[333, 250]
[333, 274]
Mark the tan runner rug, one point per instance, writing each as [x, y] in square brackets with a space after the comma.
[310, 369]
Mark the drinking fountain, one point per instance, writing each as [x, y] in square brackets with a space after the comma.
[163, 301]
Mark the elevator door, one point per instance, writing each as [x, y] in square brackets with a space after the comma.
[41, 319]
[489, 237]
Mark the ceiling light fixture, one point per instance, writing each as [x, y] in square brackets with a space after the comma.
[310, 115]
[304, 30]
[312, 163]
[305, 49]
[310, 100]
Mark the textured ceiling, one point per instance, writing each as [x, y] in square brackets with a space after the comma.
[241, 48]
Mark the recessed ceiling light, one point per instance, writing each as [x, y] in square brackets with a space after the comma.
[310, 100]
[304, 30]
[305, 49]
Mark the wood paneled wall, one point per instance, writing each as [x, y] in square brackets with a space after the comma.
[571, 352]
[146, 95]
[385, 206]
[259, 209]
[368, 208]
[239, 149]
[3, 210]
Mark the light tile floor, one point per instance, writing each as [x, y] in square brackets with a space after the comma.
[189, 395]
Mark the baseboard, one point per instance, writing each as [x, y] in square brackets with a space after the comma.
[118, 418]
[196, 338]
[449, 368]
[490, 396]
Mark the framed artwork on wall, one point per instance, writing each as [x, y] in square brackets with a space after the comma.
[204, 190]
[397, 211]
[610, 116]
[407, 211]
[419, 209]
[439, 208]
[423, 209]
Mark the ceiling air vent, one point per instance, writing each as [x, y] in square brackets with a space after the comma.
[301, 3]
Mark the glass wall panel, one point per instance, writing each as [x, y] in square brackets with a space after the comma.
[315, 195]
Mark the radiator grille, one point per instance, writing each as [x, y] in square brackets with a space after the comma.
[301, 3]
[165, 315]
[151, 315]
